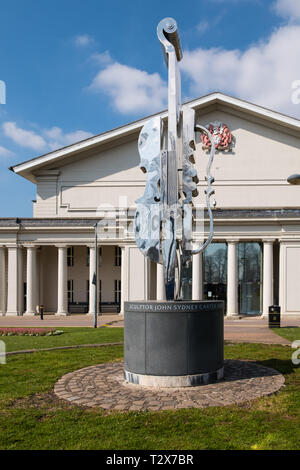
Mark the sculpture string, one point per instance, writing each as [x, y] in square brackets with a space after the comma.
[163, 219]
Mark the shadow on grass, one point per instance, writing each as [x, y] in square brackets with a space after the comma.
[285, 367]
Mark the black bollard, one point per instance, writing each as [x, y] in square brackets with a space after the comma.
[42, 312]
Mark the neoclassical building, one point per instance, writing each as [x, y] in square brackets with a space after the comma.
[253, 262]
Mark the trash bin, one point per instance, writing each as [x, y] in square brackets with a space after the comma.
[274, 316]
[42, 312]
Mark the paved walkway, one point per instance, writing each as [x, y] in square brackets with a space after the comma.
[58, 321]
[256, 330]
[104, 386]
[237, 329]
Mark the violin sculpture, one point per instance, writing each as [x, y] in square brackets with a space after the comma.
[163, 219]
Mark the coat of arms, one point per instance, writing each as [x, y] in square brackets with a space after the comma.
[221, 135]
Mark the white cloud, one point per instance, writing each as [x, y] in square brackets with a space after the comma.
[23, 137]
[83, 40]
[4, 152]
[288, 9]
[48, 139]
[102, 58]
[131, 90]
[56, 138]
[202, 27]
[263, 73]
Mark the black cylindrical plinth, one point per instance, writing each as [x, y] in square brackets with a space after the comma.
[174, 343]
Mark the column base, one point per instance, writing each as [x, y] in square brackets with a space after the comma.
[30, 314]
[62, 314]
[13, 314]
[232, 314]
[174, 381]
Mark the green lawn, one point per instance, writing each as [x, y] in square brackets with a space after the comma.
[70, 337]
[289, 333]
[32, 418]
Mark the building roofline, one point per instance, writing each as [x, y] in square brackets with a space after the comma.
[25, 168]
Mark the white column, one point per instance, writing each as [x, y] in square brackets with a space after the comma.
[138, 281]
[93, 287]
[197, 281]
[124, 279]
[13, 281]
[232, 278]
[160, 285]
[267, 276]
[2, 282]
[20, 281]
[62, 297]
[31, 282]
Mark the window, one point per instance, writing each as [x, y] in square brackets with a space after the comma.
[100, 291]
[117, 291]
[118, 256]
[100, 256]
[25, 295]
[70, 256]
[70, 291]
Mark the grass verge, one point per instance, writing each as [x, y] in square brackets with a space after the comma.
[31, 417]
[288, 333]
[70, 337]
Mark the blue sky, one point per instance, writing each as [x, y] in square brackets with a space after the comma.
[75, 68]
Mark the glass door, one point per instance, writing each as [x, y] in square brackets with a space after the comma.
[186, 282]
[250, 286]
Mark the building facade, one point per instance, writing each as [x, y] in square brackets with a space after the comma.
[253, 262]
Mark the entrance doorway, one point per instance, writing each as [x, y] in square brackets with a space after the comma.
[215, 272]
[250, 285]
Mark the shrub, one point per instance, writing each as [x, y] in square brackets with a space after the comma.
[29, 332]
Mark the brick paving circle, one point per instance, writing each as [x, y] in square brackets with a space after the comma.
[104, 386]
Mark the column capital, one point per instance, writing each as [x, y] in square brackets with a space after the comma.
[91, 246]
[232, 240]
[268, 240]
[197, 242]
[62, 245]
[28, 246]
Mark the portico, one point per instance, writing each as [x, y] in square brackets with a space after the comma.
[59, 275]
